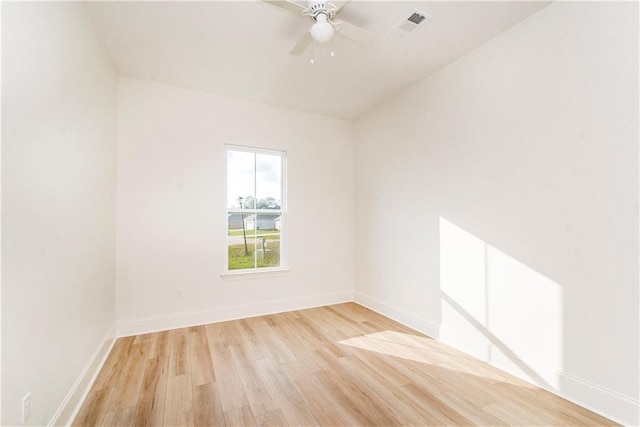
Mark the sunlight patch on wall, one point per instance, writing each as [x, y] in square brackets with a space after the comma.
[503, 310]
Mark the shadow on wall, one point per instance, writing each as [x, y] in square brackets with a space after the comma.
[499, 309]
[496, 344]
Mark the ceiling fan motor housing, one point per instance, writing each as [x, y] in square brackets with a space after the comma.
[316, 7]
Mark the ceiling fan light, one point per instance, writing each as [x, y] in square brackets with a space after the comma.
[322, 31]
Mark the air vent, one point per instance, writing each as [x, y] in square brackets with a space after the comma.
[416, 18]
[408, 25]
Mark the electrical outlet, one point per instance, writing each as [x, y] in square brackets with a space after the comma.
[179, 293]
[26, 407]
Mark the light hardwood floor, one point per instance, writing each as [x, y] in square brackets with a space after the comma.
[334, 365]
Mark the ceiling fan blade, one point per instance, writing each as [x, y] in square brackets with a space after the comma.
[355, 33]
[304, 42]
[339, 4]
[287, 5]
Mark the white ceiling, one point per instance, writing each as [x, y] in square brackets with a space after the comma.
[241, 48]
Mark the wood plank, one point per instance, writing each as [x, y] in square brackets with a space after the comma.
[510, 416]
[549, 405]
[161, 344]
[353, 403]
[240, 417]
[120, 418]
[377, 383]
[306, 332]
[140, 339]
[279, 351]
[232, 332]
[207, 410]
[360, 400]
[382, 367]
[291, 404]
[94, 408]
[179, 360]
[320, 320]
[114, 365]
[215, 334]
[506, 407]
[318, 398]
[469, 409]
[131, 378]
[353, 312]
[252, 340]
[271, 419]
[201, 363]
[150, 408]
[306, 363]
[232, 394]
[179, 403]
[435, 406]
[258, 395]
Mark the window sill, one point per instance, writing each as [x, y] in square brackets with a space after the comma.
[248, 275]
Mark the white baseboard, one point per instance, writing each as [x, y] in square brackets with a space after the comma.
[221, 314]
[398, 314]
[608, 403]
[72, 402]
[615, 406]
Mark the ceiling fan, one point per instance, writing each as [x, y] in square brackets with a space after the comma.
[325, 26]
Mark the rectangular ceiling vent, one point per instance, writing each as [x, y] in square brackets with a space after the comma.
[408, 25]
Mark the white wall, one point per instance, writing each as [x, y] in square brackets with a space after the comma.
[171, 217]
[497, 204]
[0, 219]
[58, 200]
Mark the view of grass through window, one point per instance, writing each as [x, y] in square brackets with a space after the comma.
[254, 208]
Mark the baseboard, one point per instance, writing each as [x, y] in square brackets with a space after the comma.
[221, 314]
[608, 403]
[398, 314]
[72, 402]
[615, 406]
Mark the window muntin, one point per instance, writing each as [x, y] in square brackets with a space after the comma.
[255, 209]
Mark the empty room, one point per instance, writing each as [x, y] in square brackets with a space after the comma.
[273, 212]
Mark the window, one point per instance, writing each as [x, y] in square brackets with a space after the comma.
[256, 209]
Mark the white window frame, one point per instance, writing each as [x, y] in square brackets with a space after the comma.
[262, 271]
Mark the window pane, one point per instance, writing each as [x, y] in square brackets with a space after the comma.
[240, 179]
[241, 241]
[253, 240]
[267, 239]
[268, 181]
